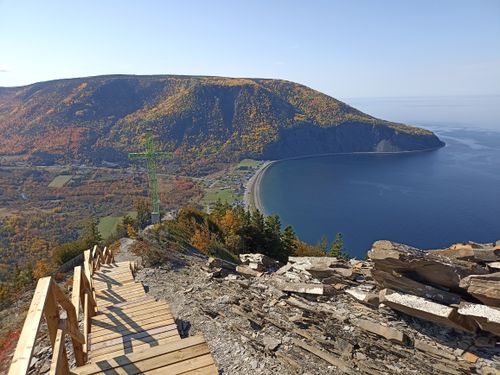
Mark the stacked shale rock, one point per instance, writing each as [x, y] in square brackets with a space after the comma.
[403, 310]
[458, 286]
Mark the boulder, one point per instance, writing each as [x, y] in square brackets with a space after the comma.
[393, 280]
[424, 309]
[485, 288]
[422, 266]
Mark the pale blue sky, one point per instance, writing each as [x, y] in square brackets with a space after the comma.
[371, 48]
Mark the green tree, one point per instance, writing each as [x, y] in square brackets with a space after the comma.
[288, 241]
[322, 245]
[91, 235]
[337, 248]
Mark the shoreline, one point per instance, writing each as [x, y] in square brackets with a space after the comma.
[251, 197]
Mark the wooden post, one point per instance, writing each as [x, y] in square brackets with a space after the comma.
[77, 338]
[51, 313]
[58, 366]
[24, 349]
[86, 323]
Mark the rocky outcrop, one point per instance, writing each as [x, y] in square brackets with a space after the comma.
[321, 315]
[426, 278]
[428, 267]
[485, 288]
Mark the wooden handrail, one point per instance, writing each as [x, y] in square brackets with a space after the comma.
[46, 301]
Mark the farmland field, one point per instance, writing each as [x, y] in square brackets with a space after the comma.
[108, 224]
[248, 163]
[60, 181]
[214, 194]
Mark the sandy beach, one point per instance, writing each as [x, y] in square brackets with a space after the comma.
[252, 189]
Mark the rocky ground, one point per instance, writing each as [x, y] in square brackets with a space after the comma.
[390, 314]
[289, 323]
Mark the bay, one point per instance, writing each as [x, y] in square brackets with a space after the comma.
[428, 199]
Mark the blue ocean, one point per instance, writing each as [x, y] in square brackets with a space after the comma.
[428, 199]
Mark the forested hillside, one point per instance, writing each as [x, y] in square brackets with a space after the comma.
[201, 119]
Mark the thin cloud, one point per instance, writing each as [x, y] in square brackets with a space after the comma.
[4, 71]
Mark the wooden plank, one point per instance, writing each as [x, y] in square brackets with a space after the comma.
[58, 365]
[138, 336]
[86, 323]
[109, 282]
[180, 362]
[149, 308]
[113, 294]
[87, 289]
[106, 325]
[114, 270]
[203, 365]
[52, 318]
[130, 326]
[114, 298]
[100, 285]
[207, 370]
[63, 300]
[124, 332]
[103, 277]
[77, 289]
[104, 304]
[127, 303]
[135, 346]
[169, 353]
[24, 349]
[120, 289]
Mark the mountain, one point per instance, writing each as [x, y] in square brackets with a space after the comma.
[199, 118]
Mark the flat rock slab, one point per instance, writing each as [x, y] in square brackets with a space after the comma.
[424, 309]
[488, 318]
[395, 281]
[380, 330]
[307, 288]
[485, 288]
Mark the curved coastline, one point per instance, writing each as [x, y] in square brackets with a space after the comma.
[252, 190]
[252, 196]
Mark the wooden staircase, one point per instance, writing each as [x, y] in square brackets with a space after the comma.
[124, 330]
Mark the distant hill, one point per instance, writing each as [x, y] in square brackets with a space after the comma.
[202, 119]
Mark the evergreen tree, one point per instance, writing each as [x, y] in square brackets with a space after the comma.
[322, 246]
[337, 248]
[272, 235]
[91, 235]
[289, 241]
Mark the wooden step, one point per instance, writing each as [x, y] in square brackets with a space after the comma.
[129, 324]
[134, 345]
[190, 355]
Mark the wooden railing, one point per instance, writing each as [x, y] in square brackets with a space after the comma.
[47, 301]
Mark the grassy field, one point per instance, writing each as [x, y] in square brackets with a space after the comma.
[108, 224]
[248, 163]
[213, 194]
[60, 181]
